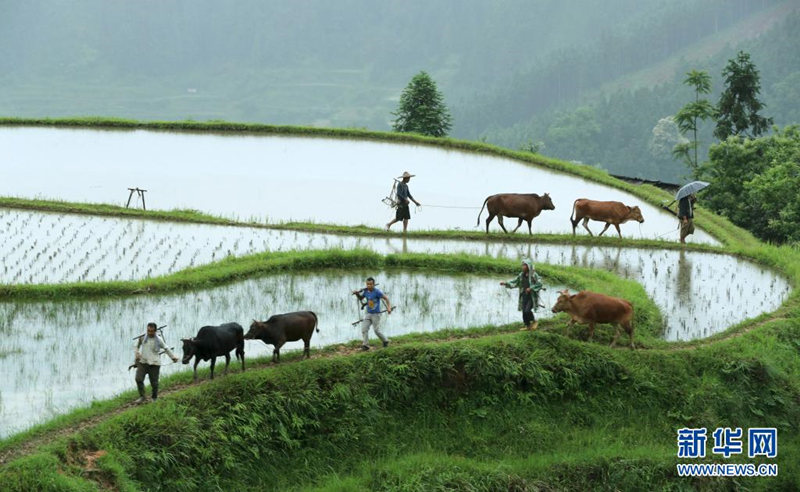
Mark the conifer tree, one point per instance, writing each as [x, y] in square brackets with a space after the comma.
[422, 109]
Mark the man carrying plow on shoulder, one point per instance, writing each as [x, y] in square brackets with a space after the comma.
[373, 316]
[403, 197]
[148, 350]
[529, 285]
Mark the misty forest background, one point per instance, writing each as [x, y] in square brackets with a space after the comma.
[579, 80]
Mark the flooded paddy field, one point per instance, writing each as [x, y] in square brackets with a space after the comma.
[41, 248]
[64, 354]
[60, 355]
[282, 178]
[699, 293]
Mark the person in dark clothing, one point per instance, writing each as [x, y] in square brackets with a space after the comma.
[403, 197]
[529, 285]
[686, 215]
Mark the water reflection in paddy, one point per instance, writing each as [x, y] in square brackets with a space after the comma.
[61, 355]
[292, 178]
[699, 293]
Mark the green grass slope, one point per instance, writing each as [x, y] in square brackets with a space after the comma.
[534, 409]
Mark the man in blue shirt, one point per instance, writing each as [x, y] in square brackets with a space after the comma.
[373, 316]
[403, 197]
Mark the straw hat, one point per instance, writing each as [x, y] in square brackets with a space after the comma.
[406, 174]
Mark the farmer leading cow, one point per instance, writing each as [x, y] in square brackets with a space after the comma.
[529, 285]
[373, 316]
[403, 198]
[148, 360]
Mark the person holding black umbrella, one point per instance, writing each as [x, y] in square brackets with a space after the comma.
[686, 215]
[686, 199]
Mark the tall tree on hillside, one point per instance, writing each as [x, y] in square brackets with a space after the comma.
[755, 183]
[688, 116]
[738, 107]
[422, 109]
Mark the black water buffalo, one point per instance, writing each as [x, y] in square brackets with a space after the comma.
[521, 206]
[213, 341]
[282, 328]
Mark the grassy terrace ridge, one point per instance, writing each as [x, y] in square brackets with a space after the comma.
[534, 411]
[483, 409]
[714, 225]
[237, 268]
[108, 210]
[197, 217]
[647, 318]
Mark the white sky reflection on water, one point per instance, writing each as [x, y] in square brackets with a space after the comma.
[60, 355]
[293, 178]
[697, 292]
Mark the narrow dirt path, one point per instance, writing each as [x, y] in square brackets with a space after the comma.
[28, 447]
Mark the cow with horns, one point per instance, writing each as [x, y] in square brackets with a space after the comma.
[516, 205]
[212, 342]
[282, 328]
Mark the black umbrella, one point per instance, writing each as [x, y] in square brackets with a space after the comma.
[690, 188]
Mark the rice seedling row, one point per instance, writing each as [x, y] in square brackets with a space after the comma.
[62, 355]
[699, 293]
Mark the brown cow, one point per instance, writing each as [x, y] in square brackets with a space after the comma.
[609, 212]
[282, 328]
[522, 206]
[591, 307]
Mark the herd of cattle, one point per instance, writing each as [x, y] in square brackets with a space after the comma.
[528, 206]
[217, 341]
[585, 307]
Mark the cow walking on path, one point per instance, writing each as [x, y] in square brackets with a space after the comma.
[521, 206]
[590, 308]
[615, 213]
[212, 342]
[282, 328]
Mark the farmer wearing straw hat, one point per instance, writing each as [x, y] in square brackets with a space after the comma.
[529, 285]
[403, 197]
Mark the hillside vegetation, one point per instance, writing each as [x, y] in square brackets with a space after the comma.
[614, 128]
[590, 80]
